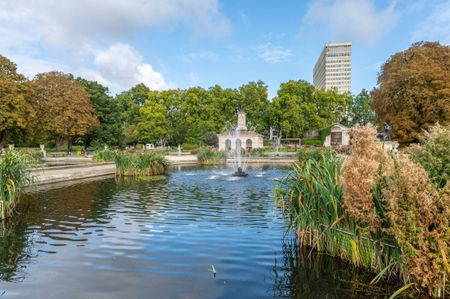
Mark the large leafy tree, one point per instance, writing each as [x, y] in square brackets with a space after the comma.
[413, 90]
[361, 111]
[299, 107]
[129, 104]
[109, 131]
[154, 124]
[178, 116]
[16, 108]
[253, 99]
[64, 106]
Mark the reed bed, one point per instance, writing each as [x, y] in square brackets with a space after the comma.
[105, 155]
[372, 210]
[145, 164]
[14, 175]
[208, 156]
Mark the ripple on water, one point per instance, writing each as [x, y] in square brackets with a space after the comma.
[132, 238]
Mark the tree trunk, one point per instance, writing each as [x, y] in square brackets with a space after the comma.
[59, 140]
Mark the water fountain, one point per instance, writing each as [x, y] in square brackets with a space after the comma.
[239, 172]
[179, 151]
[237, 137]
[237, 134]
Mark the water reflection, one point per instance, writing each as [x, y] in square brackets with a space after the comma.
[306, 274]
[131, 238]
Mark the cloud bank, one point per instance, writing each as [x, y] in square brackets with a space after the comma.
[350, 20]
[91, 38]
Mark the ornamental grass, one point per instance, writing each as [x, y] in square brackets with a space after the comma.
[105, 155]
[374, 210]
[145, 164]
[14, 175]
[208, 156]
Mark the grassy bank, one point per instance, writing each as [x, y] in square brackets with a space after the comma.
[145, 164]
[376, 211]
[14, 175]
[208, 156]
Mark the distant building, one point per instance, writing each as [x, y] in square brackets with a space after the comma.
[333, 68]
[339, 136]
[244, 139]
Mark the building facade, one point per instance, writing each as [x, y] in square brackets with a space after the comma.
[333, 68]
[240, 137]
[339, 136]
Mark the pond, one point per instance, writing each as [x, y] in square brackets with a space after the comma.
[161, 238]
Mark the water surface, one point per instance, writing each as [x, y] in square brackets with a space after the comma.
[159, 239]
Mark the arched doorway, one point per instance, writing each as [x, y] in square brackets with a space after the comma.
[238, 144]
[248, 145]
[228, 145]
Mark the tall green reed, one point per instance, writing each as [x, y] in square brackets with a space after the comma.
[14, 175]
[311, 195]
[145, 164]
[208, 156]
[105, 155]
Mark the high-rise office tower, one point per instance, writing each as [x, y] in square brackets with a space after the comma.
[333, 69]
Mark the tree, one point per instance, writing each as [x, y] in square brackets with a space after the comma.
[413, 90]
[65, 109]
[361, 111]
[253, 99]
[299, 107]
[109, 131]
[16, 109]
[153, 125]
[129, 104]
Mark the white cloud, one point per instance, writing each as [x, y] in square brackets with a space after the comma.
[273, 54]
[71, 22]
[72, 35]
[350, 20]
[122, 67]
[436, 26]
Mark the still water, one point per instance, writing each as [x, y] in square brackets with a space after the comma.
[160, 239]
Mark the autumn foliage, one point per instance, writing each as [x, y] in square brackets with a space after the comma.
[364, 171]
[64, 106]
[413, 210]
[380, 210]
[413, 90]
[15, 103]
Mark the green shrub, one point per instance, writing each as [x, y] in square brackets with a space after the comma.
[311, 141]
[207, 155]
[210, 138]
[145, 164]
[14, 175]
[267, 142]
[323, 133]
[259, 152]
[374, 210]
[433, 154]
[105, 155]
[189, 146]
[314, 153]
[29, 156]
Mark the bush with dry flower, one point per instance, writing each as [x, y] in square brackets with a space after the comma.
[377, 211]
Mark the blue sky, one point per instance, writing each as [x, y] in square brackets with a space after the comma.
[183, 43]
